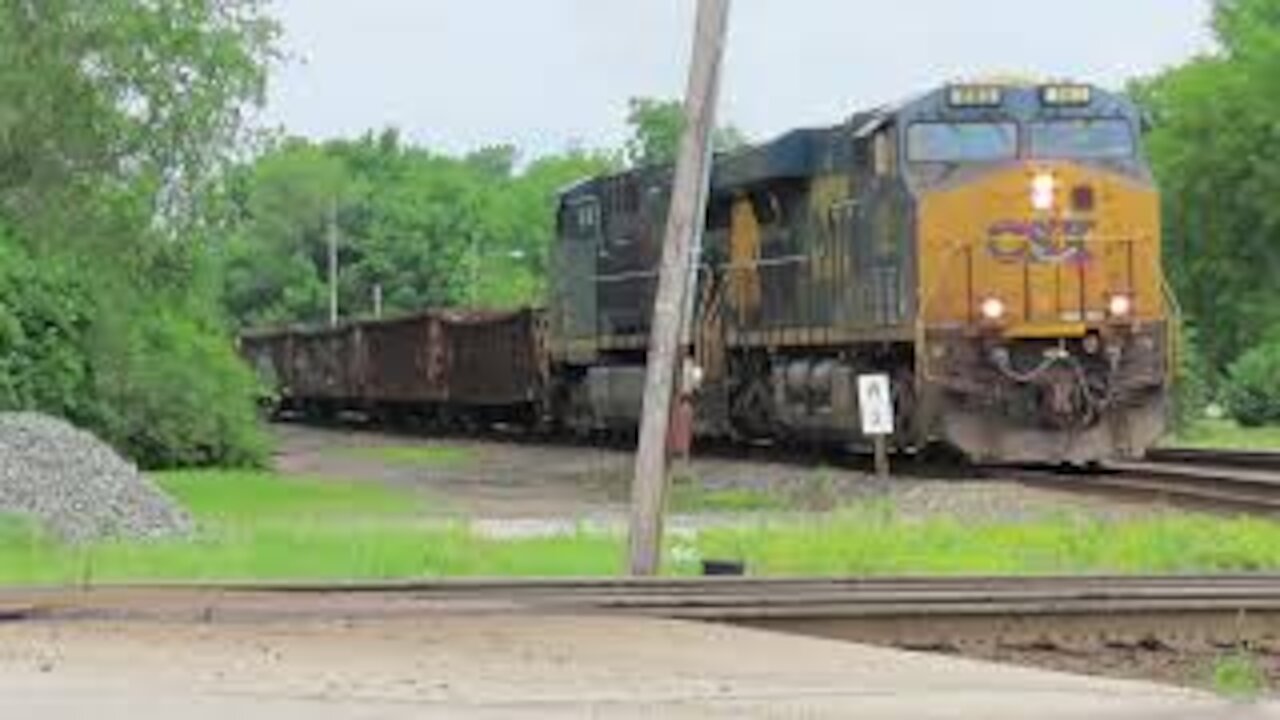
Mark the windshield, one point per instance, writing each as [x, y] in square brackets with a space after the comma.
[962, 142]
[1081, 139]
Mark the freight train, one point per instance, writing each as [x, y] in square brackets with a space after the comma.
[994, 247]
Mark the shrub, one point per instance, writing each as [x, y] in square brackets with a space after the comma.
[1192, 385]
[138, 369]
[1252, 391]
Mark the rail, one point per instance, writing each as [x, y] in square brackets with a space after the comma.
[1214, 480]
[921, 612]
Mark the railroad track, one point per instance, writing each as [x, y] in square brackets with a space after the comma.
[1220, 480]
[906, 612]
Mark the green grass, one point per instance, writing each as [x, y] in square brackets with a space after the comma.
[1229, 435]
[691, 496]
[877, 542]
[421, 455]
[1239, 676]
[239, 497]
[263, 526]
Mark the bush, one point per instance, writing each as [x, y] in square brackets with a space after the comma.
[1191, 390]
[1252, 390]
[138, 369]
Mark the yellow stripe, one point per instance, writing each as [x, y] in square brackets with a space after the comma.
[1047, 330]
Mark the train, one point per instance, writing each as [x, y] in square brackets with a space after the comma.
[993, 247]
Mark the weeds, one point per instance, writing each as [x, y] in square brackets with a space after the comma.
[1239, 676]
[436, 456]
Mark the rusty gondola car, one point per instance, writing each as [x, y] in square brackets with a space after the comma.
[438, 366]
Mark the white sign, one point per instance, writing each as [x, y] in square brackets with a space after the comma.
[875, 400]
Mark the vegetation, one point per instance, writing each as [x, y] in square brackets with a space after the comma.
[422, 455]
[1212, 143]
[1252, 392]
[109, 187]
[689, 495]
[1239, 676]
[262, 526]
[428, 229]
[1228, 434]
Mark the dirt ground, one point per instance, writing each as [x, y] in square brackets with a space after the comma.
[503, 666]
[513, 481]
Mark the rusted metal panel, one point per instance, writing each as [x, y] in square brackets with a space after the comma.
[434, 357]
[492, 358]
[323, 365]
[402, 361]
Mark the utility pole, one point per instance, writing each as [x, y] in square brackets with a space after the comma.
[333, 263]
[688, 207]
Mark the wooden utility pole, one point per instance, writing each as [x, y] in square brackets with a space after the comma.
[688, 207]
[333, 263]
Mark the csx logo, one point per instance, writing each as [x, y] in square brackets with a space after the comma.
[1040, 241]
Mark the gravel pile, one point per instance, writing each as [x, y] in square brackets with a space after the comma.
[77, 486]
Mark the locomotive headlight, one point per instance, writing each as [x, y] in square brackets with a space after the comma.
[1121, 306]
[1043, 189]
[992, 309]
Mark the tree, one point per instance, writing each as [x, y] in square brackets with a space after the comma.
[429, 229]
[656, 128]
[119, 118]
[1212, 147]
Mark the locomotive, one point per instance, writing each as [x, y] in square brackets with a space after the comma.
[993, 247]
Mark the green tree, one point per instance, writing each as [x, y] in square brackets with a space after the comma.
[1213, 147]
[656, 127]
[429, 229]
[119, 118]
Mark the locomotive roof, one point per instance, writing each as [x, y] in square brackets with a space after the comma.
[808, 151]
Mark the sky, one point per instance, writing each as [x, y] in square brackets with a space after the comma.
[546, 74]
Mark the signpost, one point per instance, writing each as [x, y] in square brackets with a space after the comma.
[875, 401]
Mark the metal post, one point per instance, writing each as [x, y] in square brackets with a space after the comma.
[882, 457]
[333, 263]
[377, 301]
[688, 204]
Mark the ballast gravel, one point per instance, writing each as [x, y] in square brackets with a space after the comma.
[77, 486]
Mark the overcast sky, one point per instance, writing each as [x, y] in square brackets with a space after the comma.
[458, 74]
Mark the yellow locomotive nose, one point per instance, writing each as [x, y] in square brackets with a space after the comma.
[1040, 249]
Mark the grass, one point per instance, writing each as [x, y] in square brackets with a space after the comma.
[876, 541]
[1229, 435]
[420, 455]
[263, 526]
[689, 495]
[1239, 676]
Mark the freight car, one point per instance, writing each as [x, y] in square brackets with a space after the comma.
[434, 368]
[994, 247]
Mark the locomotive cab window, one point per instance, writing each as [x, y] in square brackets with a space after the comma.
[1082, 138]
[582, 219]
[950, 142]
